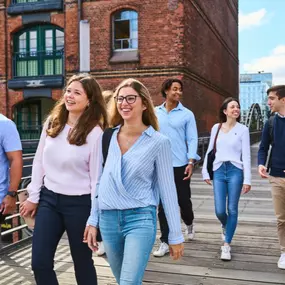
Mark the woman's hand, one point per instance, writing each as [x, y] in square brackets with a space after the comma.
[27, 208]
[176, 250]
[245, 189]
[208, 181]
[89, 237]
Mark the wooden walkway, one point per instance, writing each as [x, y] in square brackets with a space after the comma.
[255, 249]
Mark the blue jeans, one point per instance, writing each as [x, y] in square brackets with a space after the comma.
[228, 182]
[128, 237]
[58, 213]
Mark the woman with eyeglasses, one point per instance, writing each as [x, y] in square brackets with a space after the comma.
[138, 172]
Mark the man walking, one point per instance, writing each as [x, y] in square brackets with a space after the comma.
[274, 134]
[179, 125]
[10, 157]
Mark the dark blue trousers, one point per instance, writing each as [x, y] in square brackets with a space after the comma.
[56, 214]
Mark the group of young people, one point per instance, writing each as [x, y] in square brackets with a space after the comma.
[147, 162]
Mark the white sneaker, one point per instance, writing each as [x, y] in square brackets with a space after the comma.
[163, 249]
[223, 234]
[281, 261]
[226, 252]
[101, 249]
[190, 232]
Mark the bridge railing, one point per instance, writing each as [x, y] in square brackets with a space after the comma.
[19, 230]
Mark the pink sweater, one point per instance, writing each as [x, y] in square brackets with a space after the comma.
[66, 169]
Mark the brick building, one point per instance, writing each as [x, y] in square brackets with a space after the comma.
[43, 42]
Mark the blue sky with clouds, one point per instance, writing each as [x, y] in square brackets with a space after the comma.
[262, 37]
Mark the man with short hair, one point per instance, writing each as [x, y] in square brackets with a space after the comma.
[10, 157]
[274, 134]
[179, 125]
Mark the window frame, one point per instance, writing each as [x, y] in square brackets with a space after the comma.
[41, 56]
[113, 30]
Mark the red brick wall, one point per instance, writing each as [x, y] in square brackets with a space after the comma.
[194, 40]
[210, 57]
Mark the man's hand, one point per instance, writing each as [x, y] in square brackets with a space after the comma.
[8, 205]
[188, 171]
[176, 250]
[89, 237]
[27, 208]
[262, 171]
[245, 189]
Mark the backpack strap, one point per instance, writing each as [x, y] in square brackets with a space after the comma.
[271, 141]
[106, 139]
[271, 127]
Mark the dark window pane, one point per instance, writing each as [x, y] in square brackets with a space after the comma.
[122, 29]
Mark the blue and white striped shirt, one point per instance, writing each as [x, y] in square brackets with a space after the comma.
[139, 178]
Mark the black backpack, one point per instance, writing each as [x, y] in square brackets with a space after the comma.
[106, 139]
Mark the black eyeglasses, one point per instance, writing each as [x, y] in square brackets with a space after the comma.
[131, 99]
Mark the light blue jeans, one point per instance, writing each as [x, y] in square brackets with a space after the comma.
[228, 182]
[128, 237]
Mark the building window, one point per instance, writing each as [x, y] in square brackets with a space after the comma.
[125, 30]
[38, 51]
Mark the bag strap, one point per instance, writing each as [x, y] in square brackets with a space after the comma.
[106, 139]
[215, 141]
[271, 126]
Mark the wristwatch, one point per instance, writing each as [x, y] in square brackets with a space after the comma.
[12, 193]
[191, 162]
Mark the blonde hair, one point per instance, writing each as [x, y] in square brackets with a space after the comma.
[148, 117]
[107, 94]
[94, 114]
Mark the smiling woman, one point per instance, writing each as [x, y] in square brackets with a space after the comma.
[138, 171]
[65, 173]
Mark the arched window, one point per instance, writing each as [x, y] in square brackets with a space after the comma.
[38, 51]
[125, 30]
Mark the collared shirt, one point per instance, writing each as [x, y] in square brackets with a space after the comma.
[9, 141]
[139, 178]
[179, 126]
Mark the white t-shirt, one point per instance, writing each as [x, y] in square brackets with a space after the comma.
[233, 146]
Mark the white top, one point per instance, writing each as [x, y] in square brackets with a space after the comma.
[66, 169]
[233, 146]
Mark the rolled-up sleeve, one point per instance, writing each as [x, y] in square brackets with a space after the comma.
[167, 192]
[192, 138]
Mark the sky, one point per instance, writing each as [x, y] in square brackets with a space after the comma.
[262, 37]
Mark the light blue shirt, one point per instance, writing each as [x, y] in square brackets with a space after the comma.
[9, 141]
[179, 126]
[139, 178]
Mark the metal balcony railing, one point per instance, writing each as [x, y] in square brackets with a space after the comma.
[38, 63]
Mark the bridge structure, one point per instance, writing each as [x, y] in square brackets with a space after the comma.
[254, 119]
[255, 249]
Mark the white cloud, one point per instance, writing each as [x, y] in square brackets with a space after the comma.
[275, 63]
[253, 19]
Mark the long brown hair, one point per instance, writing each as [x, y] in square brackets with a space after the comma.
[148, 117]
[94, 114]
